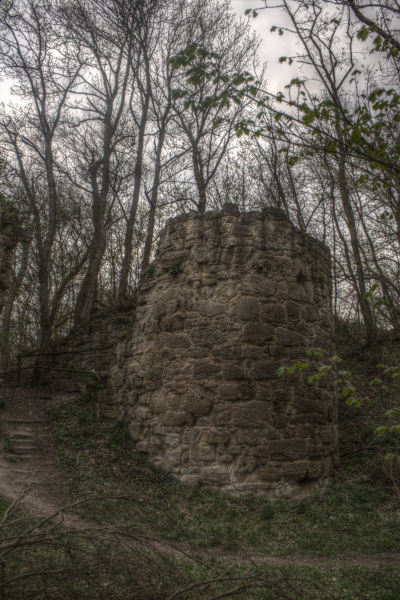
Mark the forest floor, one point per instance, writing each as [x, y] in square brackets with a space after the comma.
[347, 538]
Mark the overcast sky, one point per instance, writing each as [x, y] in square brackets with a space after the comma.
[272, 47]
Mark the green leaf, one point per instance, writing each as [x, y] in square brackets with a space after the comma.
[280, 371]
[238, 80]
[176, 94]
[356, 134]
[363, 33]
[308, 118]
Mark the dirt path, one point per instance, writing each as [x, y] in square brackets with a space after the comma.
[27, 452]
[28, 459]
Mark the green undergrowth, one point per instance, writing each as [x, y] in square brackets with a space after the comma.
[362, 451]
[346, 519]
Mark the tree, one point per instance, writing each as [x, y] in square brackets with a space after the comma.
[45, 76]
[108, 34]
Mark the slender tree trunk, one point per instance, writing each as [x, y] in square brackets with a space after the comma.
[364, 304]
[199, 176]
[87, 294]
[12, 295]
[127, 260]
[149, 238]
[154, 191]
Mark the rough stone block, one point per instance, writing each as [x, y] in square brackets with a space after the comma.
[274, 313]
[248, 309]
[208, 337]
[177, 323]
[193, 436]
[218, 437]
[197, 401]
[211, 309]
[270, 472]
[283, 396]
[222, 415]
[310, 313]
[326, 436]
[280, 422]
[173, 418]
[301, 293]
[288, 449]
[224, 352]
[231, 371]
[178, 340]
[203, 453]
[172, 459]
[200, 254]
[286, 337]
[305, 431]
[205, 370]
[252, 414]
[248, 390]
[172, 440]
[257, 333]
[316, 450]
[266, 369]
[261, 451]
[303, 404]
[232, 390]
[216, 475]
[246, 464]
[248, 437]
[257, 285]
[314, 469]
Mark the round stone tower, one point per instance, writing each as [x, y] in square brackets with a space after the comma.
[229, 299]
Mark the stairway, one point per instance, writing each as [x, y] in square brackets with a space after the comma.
[27, 452]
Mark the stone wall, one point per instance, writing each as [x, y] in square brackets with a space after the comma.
[195, 374]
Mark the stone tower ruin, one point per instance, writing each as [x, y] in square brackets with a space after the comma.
[229, 299]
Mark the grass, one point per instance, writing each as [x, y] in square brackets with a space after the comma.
[68, 565]
[346, 519]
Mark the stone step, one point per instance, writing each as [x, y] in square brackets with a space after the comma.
[36, 482]
[28, 472]
[18, 456]
[24, 448]
[22, 436]
[24, 443]
[22, 421]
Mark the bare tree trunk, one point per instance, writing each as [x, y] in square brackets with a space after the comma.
[127, 260]
[199, 176]
[149, 238]
[87, 293]
[361, 290]
[154, 191]
[12, 295]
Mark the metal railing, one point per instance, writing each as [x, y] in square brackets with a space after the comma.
[20, 357]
